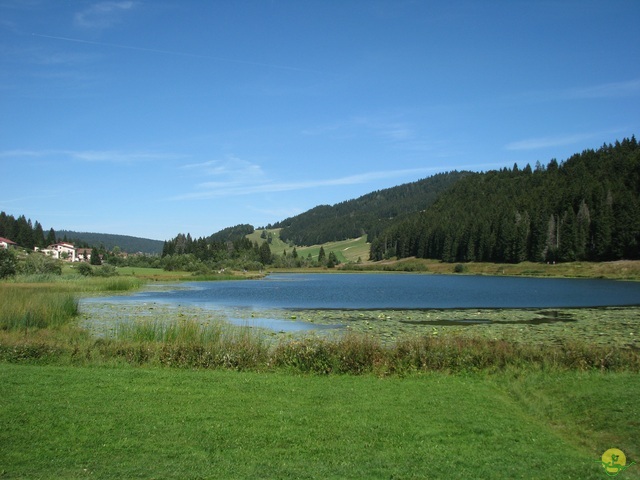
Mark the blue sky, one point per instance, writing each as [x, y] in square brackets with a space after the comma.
[150, 118]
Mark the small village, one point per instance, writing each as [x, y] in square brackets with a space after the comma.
[64, 251]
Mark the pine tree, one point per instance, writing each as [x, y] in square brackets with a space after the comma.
[568, 235]
[51, 237]
[582, 231]
[38, 235]
[332, 260]
[265, 253]
[602, 229]
[321, 256]
[552, 242]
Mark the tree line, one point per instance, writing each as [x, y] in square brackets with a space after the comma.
[586, 208]
[24, 232]
[185, 253]
[204, 255]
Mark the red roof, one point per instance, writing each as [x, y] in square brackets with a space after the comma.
[7, 241]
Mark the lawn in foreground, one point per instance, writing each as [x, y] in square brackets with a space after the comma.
[98, 422]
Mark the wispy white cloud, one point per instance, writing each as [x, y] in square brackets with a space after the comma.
[120, 157]
[589, 92]
[546, 142]
[108, 156]
[606, 90]
[178, 53]
[241, 186]
[382, 127]
[102, 15]
[39, 55]
[230, 167]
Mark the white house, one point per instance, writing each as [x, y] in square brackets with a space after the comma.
[64, 251]
[5, 243]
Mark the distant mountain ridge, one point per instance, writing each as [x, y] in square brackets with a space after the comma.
[126, 243]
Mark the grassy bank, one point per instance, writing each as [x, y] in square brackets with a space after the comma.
[618, 270]
[62, 422]
[50, 301]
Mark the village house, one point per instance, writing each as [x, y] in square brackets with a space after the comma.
[5, 243]
[63, 251]
[83, 254]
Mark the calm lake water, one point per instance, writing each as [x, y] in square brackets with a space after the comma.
[379, 291]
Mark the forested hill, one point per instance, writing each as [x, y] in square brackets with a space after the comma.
[231, 234]
[369, 214]
[586, 208]
[126, 243]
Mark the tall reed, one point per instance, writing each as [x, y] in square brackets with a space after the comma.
[28, 308]
[189, 343]
[45, 300]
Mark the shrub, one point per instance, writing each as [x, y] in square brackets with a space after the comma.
[8, 263]
[37, 263]
[105, 271]
[309, 355]
[84, 269]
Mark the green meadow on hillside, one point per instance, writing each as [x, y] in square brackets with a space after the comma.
[350, 250]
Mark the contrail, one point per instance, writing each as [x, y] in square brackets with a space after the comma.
[177, 54]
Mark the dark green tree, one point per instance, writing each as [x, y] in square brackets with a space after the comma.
[38, 235]
[265, 253]
[95, 257]
[51, 237]
[332, 260]
[322, 257]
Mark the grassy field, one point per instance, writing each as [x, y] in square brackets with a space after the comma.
[346, 250]
[73, 422]
[618, 270]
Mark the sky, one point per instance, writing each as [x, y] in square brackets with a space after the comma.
[157, 117]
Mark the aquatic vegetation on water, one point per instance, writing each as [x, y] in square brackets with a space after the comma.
[616, 327]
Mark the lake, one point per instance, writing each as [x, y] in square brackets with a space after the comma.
[392, 291]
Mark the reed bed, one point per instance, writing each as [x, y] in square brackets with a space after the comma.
[359, 353]
[29, 308]
[187, 344]
[74, 283]
[50, 301]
